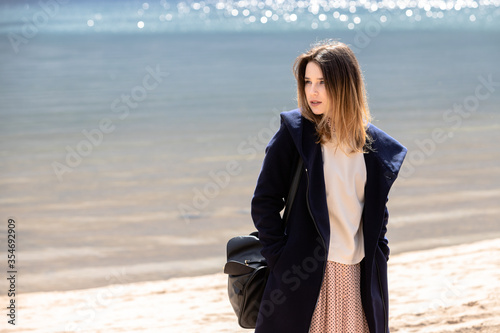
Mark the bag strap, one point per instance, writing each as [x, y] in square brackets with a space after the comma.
[293, 188]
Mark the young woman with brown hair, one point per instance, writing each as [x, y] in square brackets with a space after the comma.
[328, 265]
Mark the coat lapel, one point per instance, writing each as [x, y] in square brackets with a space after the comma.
[376, 191]
[382, 164]
[313, 160]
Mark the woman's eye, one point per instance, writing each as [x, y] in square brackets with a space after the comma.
[307, 82]
[322, 82]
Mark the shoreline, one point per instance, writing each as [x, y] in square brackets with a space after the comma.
[72, 279]
[447, 289]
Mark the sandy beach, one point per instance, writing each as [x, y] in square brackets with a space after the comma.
[447, 289]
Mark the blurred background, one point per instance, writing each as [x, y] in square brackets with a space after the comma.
[132, 132]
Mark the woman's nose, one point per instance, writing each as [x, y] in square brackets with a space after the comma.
[313, 90]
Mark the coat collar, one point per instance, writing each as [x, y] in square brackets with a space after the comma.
[388, 152]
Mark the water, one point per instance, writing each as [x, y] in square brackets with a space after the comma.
[243, 15]
[166, 174]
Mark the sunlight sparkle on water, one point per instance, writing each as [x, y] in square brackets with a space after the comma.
[231, 15]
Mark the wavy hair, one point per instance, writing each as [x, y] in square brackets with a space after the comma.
[349, 115]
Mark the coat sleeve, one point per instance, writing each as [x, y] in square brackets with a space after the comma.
[270, 193]
[383, 242]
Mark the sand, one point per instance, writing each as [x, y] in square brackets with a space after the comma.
[450, 289]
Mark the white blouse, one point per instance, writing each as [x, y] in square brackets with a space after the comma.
[345, 179]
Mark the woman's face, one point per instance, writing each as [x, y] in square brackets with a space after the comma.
[315, 90]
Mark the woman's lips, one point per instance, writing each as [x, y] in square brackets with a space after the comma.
[315, 103]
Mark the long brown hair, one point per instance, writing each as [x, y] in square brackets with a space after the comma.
[349, 113]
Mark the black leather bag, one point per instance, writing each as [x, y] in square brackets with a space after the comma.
[247, 268]
[248, 271]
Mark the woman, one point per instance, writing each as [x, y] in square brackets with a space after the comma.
[328, 265]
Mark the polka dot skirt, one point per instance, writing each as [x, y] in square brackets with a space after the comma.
[339, 308]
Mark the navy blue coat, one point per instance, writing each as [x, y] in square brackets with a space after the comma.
[297, 256]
